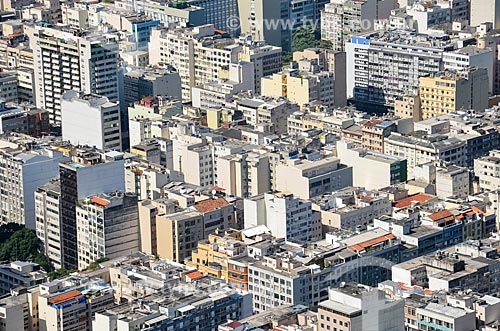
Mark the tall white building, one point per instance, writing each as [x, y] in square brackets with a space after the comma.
[89, 119]
[464, 58]
[342, 19]
[23, 173]
[285, 215]
[385, 66]
[48, 220]
[64, 61]
[482, 11]
[107, 226]
[196, 53]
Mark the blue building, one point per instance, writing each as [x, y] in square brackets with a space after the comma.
[141, 32]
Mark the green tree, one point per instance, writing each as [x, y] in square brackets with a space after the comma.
[18, 243]
[307, 37]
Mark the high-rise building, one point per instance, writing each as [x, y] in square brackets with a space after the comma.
[197, 53]
[482, 11]
[92, 120]
[65, 61]
[8, 87]
[48, 220]
[385, 66]
[462, 59]
[358, 308]
[86, 174]
[23, 173]
[342, 19]
[449, 91]
[305, 87]
[286, 216]
[107, 226]
[139, 83]
[266, 59]
[218, 12]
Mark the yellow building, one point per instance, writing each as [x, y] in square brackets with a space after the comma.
[222, 256]
[302, 87]
[448, 91]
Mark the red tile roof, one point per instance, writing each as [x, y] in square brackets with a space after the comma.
[100, 201]
[406, 202]
[233, 324]
[362, 246]
[194, 275]
[209, 205]
[65, 297]
[442, 214]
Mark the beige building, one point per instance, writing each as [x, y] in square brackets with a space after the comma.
[266, 60]
[353, 307]
[447, 92]
[332, 61]
[244, 175]
[194, 52]
[408, 107]
[487, 169]
[312, 177]
[178, 234]
[301, 86]
[60, 306]
[452, 181]
[270, 113]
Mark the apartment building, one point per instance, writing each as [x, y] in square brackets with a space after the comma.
[178, 234]
[390, 170]
[243, 175]
[448, 91]
[20, 274]
[351, 208]
[451, 318]
[356, 307]
[23, 172]
[217, 13]
[48, 220]
[8, 87]
[342, 19]
[60, 305]
[463, 58]
[328, 60]
[233, 79]
[408, 107]
[199, 62]
[426, 16]
[183, 13]
[139, 83]
[420, 149]
[193, 157]
[86, 63]
[478, 15]
[266, 59]
[312, 177]
[305, 86]
[155, 108]
[267, 112]
[382, 67]
[107, 226]
[487, 169]
[190, 306]
[468, 265]
[91, 120]
[222, 255]
[86, 174]
[286, 216]
[275, 22]
[23, 119]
